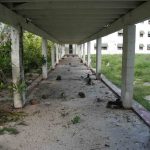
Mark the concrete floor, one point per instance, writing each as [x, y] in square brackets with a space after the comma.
[49, 125]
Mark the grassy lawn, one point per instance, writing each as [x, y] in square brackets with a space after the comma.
[111, 68]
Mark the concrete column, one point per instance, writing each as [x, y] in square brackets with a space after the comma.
[53, 57]
[17, 66]
[79, 51]
[58, 53]
[44, 55]
[98, 57]
[63, 51]
[75, 49]
[60, 50]
[128, 65]
[83, 53]
[89, 54]
[57, 59]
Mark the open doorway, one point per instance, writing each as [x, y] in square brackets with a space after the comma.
[70, 49]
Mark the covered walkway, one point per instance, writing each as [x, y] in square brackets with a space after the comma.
[74, 23]
[49, 125]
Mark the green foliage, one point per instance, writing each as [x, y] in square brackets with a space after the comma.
[5, 48]
[19, 87]
[111, 68]
[76, 120]
[2, 86]
[33, 59]
[8, 130]
[32, 51]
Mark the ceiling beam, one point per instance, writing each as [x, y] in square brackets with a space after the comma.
[6, 1]
[76, 5]
[137, 15]
[9, 17]
[73, 12]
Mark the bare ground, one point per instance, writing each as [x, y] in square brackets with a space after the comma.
[49, 125]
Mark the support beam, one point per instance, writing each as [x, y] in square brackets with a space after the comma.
[44, 56]
[9, 17]
[98, 57]
[83, 53]
[17, 66]
[89, 54]
[53, 57]
[128, 65]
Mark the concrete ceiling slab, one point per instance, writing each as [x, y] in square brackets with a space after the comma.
[72, 21]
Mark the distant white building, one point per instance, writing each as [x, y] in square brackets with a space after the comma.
[113, 43]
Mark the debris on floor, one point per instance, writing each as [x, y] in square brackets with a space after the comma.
[99, 100]
[81, 94]
[44, 96]
[34, 102]
[115, 104]
[58, 77]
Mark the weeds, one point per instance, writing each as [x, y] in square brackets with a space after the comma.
[4, 130]
[76, 120]
[6, 117]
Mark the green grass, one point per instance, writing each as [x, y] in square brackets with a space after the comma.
[111, 68]
[8, 130]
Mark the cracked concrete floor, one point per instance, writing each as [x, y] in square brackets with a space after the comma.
[49, 125]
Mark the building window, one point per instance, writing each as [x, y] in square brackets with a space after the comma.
[120, 46]
[141, 46]
[141, 33]
[148, 34]
[120, 33]
[148, 46]
[104, 46]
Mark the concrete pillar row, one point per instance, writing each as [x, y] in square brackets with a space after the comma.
[44, 55]
[59, 52]
[78, 50]
[75, 49]
[128, 65]
[57, 59]
[17, 66]
[83, 53]
[63, 52]
[89, 54]
[53, 57]
[98, 57]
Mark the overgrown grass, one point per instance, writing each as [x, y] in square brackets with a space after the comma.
[111, 68]
[6, 117]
